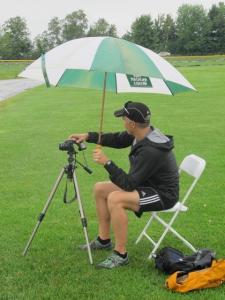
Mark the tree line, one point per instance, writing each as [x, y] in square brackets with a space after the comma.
[194, 31]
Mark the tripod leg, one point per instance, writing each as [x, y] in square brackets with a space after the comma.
[83, 219]
[42, 215]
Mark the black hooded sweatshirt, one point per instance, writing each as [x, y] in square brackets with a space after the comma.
[152, 163]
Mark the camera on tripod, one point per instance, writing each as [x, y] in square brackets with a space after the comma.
[68, 146]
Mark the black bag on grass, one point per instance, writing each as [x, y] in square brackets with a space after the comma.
[170, 260]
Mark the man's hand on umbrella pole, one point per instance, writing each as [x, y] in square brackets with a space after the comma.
[99, 157]
[79, 138]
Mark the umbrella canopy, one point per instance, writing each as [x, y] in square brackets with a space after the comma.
[107, 63]
[84, 63]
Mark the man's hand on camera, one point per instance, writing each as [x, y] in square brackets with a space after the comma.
[79, 138]
[99, 157]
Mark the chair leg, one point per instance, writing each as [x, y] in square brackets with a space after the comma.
[158, 243]
[145, 228]
[169, 228]
[188, 244]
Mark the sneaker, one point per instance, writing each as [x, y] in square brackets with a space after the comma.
[96, 245]
[113, 261]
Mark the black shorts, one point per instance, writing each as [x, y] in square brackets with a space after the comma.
[149, 200]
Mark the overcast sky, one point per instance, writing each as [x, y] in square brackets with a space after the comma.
[119, 12]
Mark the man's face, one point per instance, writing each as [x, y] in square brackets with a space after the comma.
[129, 125]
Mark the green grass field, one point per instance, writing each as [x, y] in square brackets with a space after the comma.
[9, 70]
[32, 125]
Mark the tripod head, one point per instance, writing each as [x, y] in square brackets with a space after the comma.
[68, 146]
[71, 166]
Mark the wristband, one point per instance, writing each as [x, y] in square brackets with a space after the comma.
[108, 163]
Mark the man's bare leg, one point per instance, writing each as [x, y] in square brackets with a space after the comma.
[118, 202]
[101, 192]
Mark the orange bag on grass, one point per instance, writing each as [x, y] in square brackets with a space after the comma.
[205, 278]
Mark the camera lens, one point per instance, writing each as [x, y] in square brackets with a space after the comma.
[66, 146]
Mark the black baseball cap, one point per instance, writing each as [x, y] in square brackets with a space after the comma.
[135, 111]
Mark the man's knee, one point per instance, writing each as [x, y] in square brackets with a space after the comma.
[98, 188]
[114, 200]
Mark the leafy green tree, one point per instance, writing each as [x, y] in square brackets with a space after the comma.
[158, 31]
[55, 32]
[15, 41]
[216, 40]
[112, 31]
[42, 44]
[169, 35]
[164, 33]
[74, 25]
[49, 38]
[127, 36]
[102, 28]
[192, 29]
[1, 42]
[142, 32]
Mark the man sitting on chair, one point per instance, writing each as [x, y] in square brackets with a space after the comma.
[152, 183]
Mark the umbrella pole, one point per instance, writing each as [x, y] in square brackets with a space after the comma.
[43, 67]
[102, 109]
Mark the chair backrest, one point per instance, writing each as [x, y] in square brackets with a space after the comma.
[193, 165]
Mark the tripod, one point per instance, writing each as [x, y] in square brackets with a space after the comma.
[71, 174]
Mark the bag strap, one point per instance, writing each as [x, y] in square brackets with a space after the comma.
[65, 200]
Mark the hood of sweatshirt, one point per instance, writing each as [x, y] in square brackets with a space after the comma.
[157, 140]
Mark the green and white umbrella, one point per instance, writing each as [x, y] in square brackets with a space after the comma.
[124, 62]
[110, 64]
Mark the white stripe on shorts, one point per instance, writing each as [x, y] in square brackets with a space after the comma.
[149, 202]
[151, 199]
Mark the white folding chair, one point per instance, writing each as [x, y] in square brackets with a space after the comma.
[193, 166]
